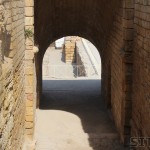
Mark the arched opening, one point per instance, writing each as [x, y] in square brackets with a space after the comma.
[40, 56]
[72, 111]
[69, 60]
[103, 24]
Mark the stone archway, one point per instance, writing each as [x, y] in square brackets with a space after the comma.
[119, 29]
[88, 19]
[102, 23]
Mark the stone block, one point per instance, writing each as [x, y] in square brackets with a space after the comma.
[29, 80]
[29, 3]
[29, 89]
[29, 11]
[29, 21]
[29, 55]
[29, 71]
[29, 103]
[29, 111]
[128, 34]
[29, 125]
[128, 3]
[29, 132]
[29, 118]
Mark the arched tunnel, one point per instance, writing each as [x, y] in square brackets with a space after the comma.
[93, 20]
[120, 30]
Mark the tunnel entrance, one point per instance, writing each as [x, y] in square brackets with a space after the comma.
[67, 67]
[72, 113]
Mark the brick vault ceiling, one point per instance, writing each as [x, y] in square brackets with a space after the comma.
[91, 19]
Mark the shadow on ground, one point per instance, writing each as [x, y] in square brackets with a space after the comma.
[83, 98]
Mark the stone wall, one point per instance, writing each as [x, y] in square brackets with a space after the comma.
[30, 79]
[12, 102]
[69, 49]
[112, 74]
[127, 68]
[117, 69]
[141, 71]
[122, 39]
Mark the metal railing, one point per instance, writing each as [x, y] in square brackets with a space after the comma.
[68, 71]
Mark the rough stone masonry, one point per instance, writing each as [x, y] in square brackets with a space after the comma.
[12, 85]
[120, 29]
